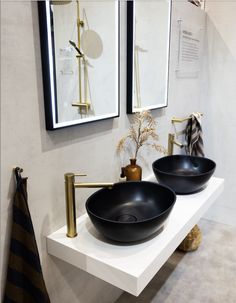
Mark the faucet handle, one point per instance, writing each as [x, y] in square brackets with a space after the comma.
[80, 175]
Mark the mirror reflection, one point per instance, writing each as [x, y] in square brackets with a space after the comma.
[83, 56]
[148, 54]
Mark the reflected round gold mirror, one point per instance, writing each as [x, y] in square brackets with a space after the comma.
[91, 44]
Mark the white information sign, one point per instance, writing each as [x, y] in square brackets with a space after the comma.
[189, 52]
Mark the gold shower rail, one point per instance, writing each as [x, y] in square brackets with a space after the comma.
[85, 105]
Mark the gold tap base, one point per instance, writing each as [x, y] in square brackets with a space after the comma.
[71, 235]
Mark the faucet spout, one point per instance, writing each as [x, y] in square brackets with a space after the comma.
[70, 187]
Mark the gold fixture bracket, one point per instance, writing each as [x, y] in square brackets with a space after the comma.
[82, 106]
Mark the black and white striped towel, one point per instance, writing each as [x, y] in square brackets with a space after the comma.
[193, 136]
[24, 283]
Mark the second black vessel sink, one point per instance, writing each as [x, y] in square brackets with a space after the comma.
[130, 211]
[183, 173]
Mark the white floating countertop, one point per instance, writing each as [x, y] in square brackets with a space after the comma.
[131, 266]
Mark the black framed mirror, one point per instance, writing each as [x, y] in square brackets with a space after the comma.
[148, 51]
[80, 60]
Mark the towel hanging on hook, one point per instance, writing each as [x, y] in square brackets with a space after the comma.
[193, 135]
[24, 281]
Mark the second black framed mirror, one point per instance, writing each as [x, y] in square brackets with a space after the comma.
[148, 51]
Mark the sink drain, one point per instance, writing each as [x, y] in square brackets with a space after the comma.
[126, 218]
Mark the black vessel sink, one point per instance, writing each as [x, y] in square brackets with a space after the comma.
[184, 174]
[130, 211]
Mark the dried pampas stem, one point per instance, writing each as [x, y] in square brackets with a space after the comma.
[141, 132]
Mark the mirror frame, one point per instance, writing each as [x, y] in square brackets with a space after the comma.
[130, 59]
[49, 71]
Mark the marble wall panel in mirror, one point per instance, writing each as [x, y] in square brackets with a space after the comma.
[80, 60]
[148, 43]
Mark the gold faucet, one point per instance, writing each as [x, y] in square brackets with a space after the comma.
[70, 186]
[171, 143]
